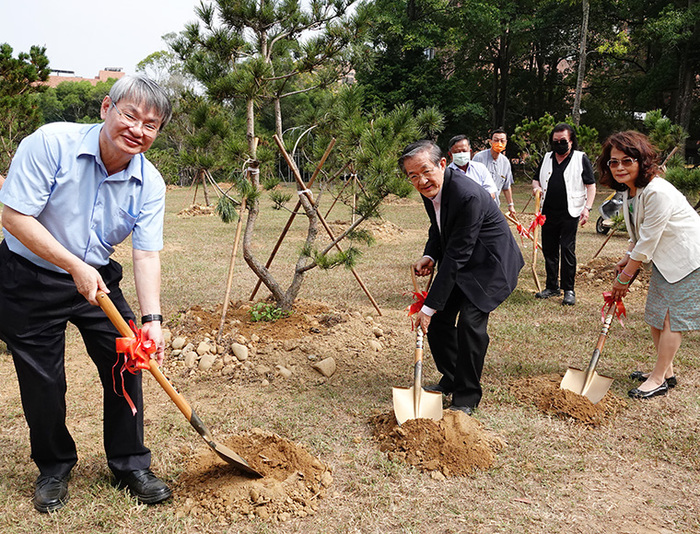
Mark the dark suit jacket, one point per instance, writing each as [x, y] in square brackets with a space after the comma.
[475, 250]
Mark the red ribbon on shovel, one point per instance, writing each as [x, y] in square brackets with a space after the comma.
[620, 310]
[135, 354]
[418, 300]
[539, 221]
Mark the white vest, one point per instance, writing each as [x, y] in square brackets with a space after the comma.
[575, 188]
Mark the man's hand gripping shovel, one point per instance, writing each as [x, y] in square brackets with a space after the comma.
[140, 359]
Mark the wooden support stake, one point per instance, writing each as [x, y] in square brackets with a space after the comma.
[253, 168]
[302, 187]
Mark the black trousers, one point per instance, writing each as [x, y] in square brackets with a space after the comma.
[458, 341]
[35, 307]
[559, 236]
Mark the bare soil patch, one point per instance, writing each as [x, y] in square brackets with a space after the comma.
[293, 482]
[196, 210]
[454, 446]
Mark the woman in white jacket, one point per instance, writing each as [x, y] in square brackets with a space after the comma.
[664, 230]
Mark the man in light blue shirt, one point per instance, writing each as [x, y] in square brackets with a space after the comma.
[499, 166]
[72, 194]
[460, 150]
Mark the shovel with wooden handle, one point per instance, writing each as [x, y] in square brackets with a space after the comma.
[222, 451]
[589, 383]
[414, 402]
[534, 245]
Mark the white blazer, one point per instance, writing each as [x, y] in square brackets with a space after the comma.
[575, 188]
[664, 228]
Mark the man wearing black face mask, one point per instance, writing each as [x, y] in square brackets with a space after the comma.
[567, 185]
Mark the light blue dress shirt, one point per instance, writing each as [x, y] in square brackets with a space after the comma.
[57, 176]
[480, 174]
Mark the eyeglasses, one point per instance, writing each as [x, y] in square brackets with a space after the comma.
[149, 128]
[415, 178]
[626, 162]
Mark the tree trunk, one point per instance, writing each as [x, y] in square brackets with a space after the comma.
[278, 117]
[576, 112]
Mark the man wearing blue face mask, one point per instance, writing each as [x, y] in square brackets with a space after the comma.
[566, 183]
[460, 150]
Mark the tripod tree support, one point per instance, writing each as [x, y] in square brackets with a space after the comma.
[293, 215]
[307, 192]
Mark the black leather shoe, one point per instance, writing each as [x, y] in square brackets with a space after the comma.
[143, 485]
[464, 409]
[51, 493]
[569, 298]
[641, 376]
[548, 293]
[438, 388]
[637, 393]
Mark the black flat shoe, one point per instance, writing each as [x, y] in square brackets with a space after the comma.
[637, 393]
[641, 376]
[51, 493]
[143, 485]
[547, 293]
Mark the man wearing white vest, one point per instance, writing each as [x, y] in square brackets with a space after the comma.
[567, 186]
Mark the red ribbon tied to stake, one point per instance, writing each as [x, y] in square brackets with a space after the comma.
[620, 310]
[135, 355]
[539, 221]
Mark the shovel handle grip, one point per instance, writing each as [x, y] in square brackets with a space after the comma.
[415, 280]
[118, 321]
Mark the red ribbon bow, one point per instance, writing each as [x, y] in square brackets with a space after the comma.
[620, 310]
[539, 221]
[135, 355]
[418, 300]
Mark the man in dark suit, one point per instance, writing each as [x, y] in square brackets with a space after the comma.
[479, 261]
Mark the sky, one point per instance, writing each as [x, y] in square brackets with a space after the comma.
[86, 36]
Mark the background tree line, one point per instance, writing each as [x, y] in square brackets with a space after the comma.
[252, 68]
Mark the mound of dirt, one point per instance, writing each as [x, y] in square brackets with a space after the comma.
[195, 210]
[545, 393]
[293, 481]
[453, 446]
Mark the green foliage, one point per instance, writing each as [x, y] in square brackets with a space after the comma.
[664, 134]
[347, 258]
[74, 101]
[532, 137]
[167, 162]
[279, 198]
[362, 236]
[265, 311]
[19, 113]
[226, 209]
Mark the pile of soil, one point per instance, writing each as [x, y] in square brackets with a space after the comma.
[195, 210]
[545, 393]
[600, 272]
[453, 446]
[380, 229]
[293, 481]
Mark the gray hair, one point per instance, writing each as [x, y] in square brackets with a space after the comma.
[143, 90]
[434, 152]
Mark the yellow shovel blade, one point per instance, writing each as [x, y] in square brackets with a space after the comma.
[429, 404]
[575, 380]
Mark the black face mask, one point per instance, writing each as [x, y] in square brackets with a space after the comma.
[560, 147]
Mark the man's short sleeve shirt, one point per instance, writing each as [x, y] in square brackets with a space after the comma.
[58, 177]
[500, 169]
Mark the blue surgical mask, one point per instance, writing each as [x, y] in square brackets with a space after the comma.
[461, 158]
